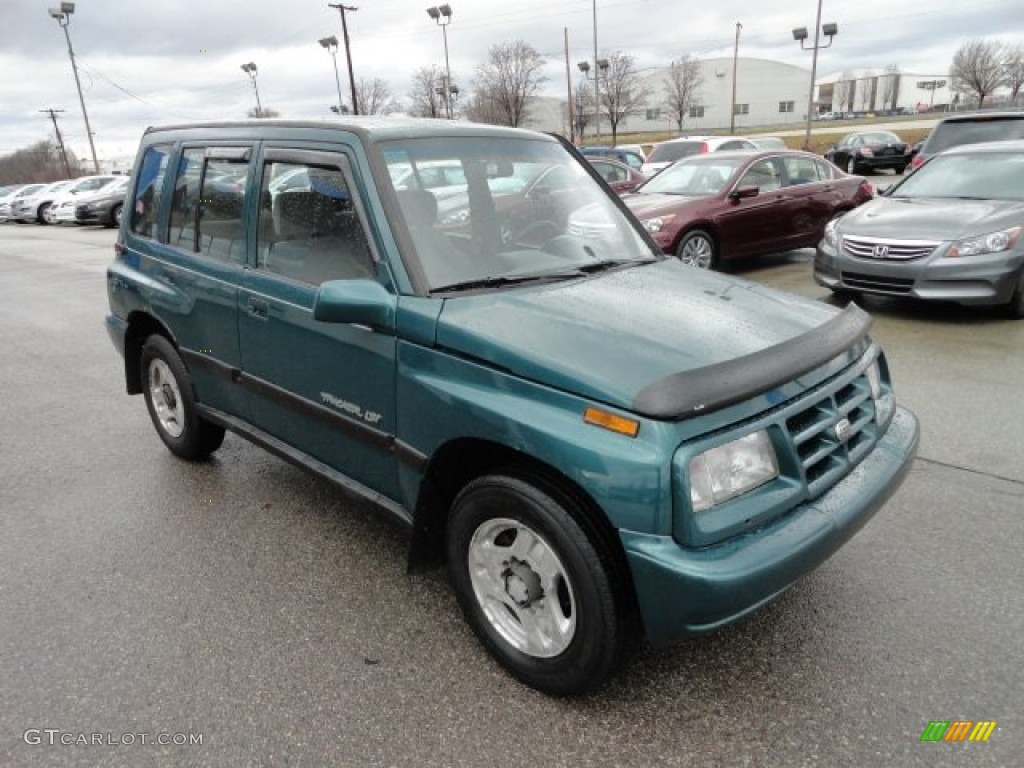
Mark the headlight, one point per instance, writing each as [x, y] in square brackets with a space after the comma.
[657, 223]
[831, 239]
[456, 217]
[994, 242]
[732, 469]
[884, 401]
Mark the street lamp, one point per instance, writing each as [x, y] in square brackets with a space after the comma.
[63, 17]
[437, 13]
[348, 53]
[735, 63]
[331, 44]
[600, 69]
[830, 30]
[250, 70]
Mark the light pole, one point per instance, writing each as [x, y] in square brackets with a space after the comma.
[597, 92]
[250, 70]
[63, 17]
[331, 44]
[602, 67]
[585, 69]
[437, 13]
[735, 62]
[348, 53]
[830, 30]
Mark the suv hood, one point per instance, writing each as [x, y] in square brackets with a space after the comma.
[663, 340]
[928, 218]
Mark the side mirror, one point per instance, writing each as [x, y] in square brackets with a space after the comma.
[749, 190]
[359, 302]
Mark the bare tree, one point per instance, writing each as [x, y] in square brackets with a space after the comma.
[683, 80]
[265, 112]
[582, 111]
[483, 107]
[375, 98]
[511, 78]
[842, 94]
[622, 93]
[1013, 71]
[424, 99]
[867, 93]
[41, 162]
[891, 86]
[977, 68]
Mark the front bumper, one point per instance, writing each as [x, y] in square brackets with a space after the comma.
[685, 592]
[982, 280]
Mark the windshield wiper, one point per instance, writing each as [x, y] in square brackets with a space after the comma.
[607, 264]
[501, 281]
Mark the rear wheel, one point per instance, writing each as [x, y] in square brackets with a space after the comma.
[172, 404]
[697, 248]
[115, 216]
[534, 586]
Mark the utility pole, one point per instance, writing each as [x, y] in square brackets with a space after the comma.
[568, 85]
[735, 61]
[60, 139]
[348, 54]
[63, 17]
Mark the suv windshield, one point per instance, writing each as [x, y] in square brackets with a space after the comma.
[511, 211]
[953, 133]
[981, 175]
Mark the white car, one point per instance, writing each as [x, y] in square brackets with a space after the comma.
[62, 208]
[33, 207]
[13, 195]
[664, 153]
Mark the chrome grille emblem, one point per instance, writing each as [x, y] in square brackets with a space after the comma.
[880, 252]
[843, 430]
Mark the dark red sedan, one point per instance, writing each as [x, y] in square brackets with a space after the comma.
[711, 208]
[619, 176]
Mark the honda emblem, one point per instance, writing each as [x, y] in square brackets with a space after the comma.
[880, 252]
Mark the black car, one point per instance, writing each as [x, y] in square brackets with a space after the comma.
[971, 129]
[865, 151]
[105, 206]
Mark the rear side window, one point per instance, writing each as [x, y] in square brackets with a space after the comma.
[150, 181]
[802, 170]
[206, 216]
[953, 133]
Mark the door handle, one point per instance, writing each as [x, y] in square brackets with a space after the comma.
[258, 309]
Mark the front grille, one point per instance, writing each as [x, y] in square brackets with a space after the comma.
[895, 250]
[880, 283]
[825, 453]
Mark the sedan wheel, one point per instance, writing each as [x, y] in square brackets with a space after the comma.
[697, 248]
[41, 215]
[851, 166]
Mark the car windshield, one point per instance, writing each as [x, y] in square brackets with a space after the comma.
[695, 176]
[956, 132]
[673, 150]
[980, 175]
[526, 210]
[880, 137]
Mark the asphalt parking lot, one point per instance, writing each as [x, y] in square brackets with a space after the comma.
[246, 602]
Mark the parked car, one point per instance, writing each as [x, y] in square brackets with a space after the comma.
[706, 209]
[970, 129]
[768, 142]
[591, 435]
[619, 176]
[103, 206]
[62, 209]
[666, 152]
[32, 208]
[865, 151]
[950, 231]
[6, 195]
[10, 202]
[630, 157]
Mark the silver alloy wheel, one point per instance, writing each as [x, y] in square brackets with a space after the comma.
[118, 210]
[166, 397]
[522, 587]
[697, 251]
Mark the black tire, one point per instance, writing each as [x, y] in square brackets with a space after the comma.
[698, 249]
[115, 216]
[901, 170]
[851, 165]
[171, 401]
[41, 214]
[587, 616]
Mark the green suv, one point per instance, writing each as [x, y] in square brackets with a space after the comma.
[598, 440]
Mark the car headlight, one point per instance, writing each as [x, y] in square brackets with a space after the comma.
[831, 238]
[657, 223]
[460, 216]
[722, 473]
[994, 242]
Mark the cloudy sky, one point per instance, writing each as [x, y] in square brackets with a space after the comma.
[151, 62]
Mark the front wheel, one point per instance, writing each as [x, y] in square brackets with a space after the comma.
[1015, 307]
[115, 216]
[697, 248]
[172, 403]
[533, 586]
[41, 217]
[851, 166]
